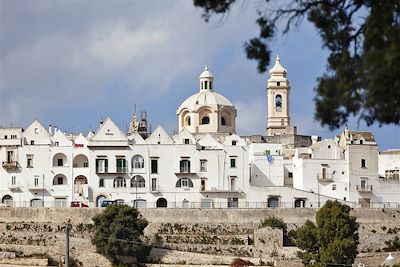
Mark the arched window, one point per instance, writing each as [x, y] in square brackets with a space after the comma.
[161, 203]
[59, 179]
[137, 162]
[59, 160]
[187, 121]
[119, 182]
[223, 122]
[184, 182]
[205, 120]
[80, 180]
[81, 161]
[138, 181]
[278, 103]
[7, 200]
[100, 199]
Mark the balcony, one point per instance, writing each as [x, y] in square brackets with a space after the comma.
[122, 170]
[325, 177]
[13, 186]
[36, 186]
[364, 189]
[10, 165]
[101, 170]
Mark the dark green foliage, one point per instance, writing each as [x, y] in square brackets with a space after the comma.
[274, 222]
[333, 239]
[118, 232]
[363, 38]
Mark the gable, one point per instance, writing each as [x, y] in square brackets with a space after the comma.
[209, 142]
[159, 136]
[61, 139]
[234, 137]
[36, 133]
[109, 131]
[182, 135]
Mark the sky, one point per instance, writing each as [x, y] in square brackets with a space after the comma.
[72, 63]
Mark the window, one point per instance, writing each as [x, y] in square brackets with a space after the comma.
[290, 175]
[86, 164]
[137, 162]
[29, 160]
[102, 165]
[188, 121]
[60, 162]
[364, 183]
[184, 182]
[13, 180]
[186, 141]
[119, 182]
[154, 166]
[205, 120]
[233, 182]
[223, 122]
[333, 187]
[329, 146]
[101, 182]
[60, 180]
[234, 142]
[184, 165]
[32, 142]
[203, 165]
[138, 182]
[36, 130]
[203, 184]
[5, 137]
[363, 165]
[278, 83]
[121, 165]
[233, 162]
[205, 85]
[361, 142]
[56, 143]
[13, 136]
[36, 180]
[278, 103]
[154, 184]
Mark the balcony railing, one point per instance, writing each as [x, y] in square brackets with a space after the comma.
[325, 177]
[10, 165]
[36, 186]
[365, 188]
[13, 186]
[101, 170]
[122, 170]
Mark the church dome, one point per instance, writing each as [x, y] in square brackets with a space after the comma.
[204, 98]
[207, 111]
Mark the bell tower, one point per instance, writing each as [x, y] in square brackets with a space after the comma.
[278, 90]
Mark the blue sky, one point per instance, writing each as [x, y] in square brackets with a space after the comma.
[71, 63]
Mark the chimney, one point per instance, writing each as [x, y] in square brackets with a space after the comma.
[55, 129]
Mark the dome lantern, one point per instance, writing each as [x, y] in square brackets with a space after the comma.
[206, 80]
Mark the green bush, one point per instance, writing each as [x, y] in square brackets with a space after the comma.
[119, 232]
[274, 222]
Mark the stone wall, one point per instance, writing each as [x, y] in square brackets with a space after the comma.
[224, 232]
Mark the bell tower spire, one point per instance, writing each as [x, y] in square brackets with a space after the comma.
[278, 90]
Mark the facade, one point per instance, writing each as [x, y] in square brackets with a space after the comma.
[205, 165]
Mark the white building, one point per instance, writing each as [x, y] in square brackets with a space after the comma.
[205, 165]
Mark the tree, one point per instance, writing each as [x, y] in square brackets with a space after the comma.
[363, 38]
[118, 233]
[333, 239]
